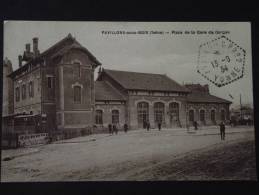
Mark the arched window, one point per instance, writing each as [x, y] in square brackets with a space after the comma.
[213, 115]
[17, 94]
[77, 94]
[115, 116]
[159, 112]
[23, 91]
[202, 115]
[191, 115]
[222, 115]
[143, 113]
[174, 114]
[99, 117]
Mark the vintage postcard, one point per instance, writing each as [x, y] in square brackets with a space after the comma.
[123, 101]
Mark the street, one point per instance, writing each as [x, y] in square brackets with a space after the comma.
[138, 155]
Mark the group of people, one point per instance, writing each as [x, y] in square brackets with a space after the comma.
[221, 127]
[146, 125]
[113, 128]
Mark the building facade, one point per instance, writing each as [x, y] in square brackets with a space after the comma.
[56, 87]
[7, 106]
[54, 91]
[155, 98]
[205, 108]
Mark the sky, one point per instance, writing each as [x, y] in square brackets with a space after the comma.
[175, 55]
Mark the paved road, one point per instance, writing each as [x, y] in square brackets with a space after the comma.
[137, 155]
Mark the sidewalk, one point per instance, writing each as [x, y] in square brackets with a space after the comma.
[204, 131]
[13, 153]
[214, 130]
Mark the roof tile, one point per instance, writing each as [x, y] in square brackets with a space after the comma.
[104, 91]
[145, 81]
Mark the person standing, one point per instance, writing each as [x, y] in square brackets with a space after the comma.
[110, 128]
[144, 124]
[195, 124]
[222, 130]
[115, 129]
[159, 126]
[125, 128]
[148, 125]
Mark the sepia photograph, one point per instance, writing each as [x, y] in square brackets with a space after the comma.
[127, 101]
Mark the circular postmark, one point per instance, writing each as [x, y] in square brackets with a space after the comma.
[221, 61]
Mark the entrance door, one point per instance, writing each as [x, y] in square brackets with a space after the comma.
[174, 114]
[143, 114]
[213, 117]
[159, 113]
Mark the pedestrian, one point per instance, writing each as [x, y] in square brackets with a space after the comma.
[195, 124]
[144, 124]
[159, 126]
[148, 125]
[113, 128]
[222, 130]
[125, 128]
[117, 128]
[110, 128]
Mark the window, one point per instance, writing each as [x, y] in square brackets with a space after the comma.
[191, 115]
[77, 94]
[99, 117]
[202, 115]
[23, 91]
[174, 113]
[222, 115]
[17, 94]
[77, 69]
[38, 84]
[31, 89]
[212, 115]
[50, 82]
[115, 116]
[143, 113]
[159, 112]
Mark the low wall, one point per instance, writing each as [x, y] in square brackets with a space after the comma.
[32, 139]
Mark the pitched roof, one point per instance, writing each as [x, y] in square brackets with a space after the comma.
[58, 48]
[205, 98]
[104, 91]
[76, 45]
[145, 81]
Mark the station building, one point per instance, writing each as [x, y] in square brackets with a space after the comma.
[55, 91]
[135, 98]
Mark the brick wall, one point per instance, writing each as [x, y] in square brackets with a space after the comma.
[71, 114]
[208, 107]
[132, 110]
[107, 112]
[29, 103]
[7, 89]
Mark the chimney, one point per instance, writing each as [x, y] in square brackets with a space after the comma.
[27, 48]
[20, 60]
[35, 46]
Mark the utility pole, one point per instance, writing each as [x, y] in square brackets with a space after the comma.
[241, 114]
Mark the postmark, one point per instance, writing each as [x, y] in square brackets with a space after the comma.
[221, 61]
